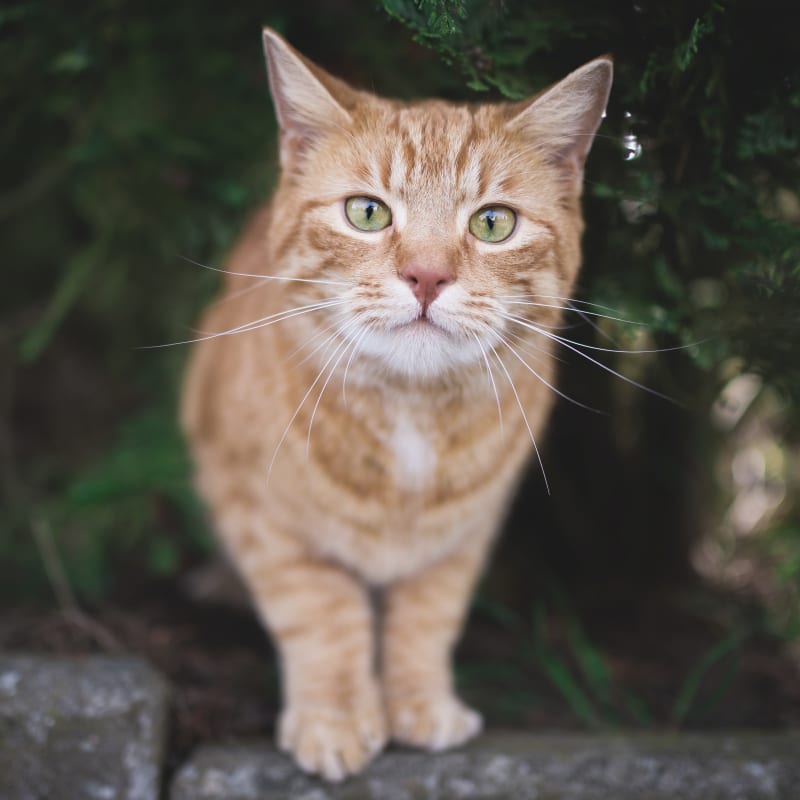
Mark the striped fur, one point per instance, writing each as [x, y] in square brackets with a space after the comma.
[397, 480]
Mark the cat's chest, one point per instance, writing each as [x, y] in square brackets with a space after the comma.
[412, 452]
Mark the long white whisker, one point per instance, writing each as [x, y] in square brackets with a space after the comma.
[564, 326]
[359, 342]
[259, 323]
[563, 299]
[546, 382]
[524, 417]
[225, 298]
[583, 315]
[564, 340]
[600, 364]
[570, 308]
[297, 410]
[323, 345]
[320, 334]
[528, 344]
[492, 382]
[264, 277]
[348, 343]
[334, 326]
[264, 321]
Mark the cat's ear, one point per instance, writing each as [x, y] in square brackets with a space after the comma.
[562, 120]
[308, 101]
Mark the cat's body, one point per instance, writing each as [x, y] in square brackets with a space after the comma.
[373, 437]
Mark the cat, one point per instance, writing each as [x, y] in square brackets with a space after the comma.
[370, 384]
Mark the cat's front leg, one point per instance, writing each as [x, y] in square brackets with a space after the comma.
[321, 619]
[423, 619]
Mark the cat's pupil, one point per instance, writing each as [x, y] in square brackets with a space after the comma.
[490, 220]
[369, 210]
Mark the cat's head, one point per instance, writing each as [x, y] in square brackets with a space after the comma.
[433, 221]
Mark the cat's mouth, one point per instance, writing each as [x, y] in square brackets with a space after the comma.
[424, 323]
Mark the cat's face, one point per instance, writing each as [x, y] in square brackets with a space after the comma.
[432, 221]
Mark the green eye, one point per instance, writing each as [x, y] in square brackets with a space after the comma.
[493, 223]
[367, 214]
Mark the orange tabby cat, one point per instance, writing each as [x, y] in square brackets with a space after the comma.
[365, 400]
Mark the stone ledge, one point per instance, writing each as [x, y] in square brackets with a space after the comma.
[520, 766]
[75, 728]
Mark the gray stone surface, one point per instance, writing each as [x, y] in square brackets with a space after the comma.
[521, 767]
[88, 728]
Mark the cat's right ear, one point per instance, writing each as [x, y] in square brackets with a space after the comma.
[308, 101]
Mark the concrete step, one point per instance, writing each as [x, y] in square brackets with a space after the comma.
[521, 766]
[80, 728]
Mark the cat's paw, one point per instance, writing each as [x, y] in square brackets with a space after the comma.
[432, 721]
[331, 741]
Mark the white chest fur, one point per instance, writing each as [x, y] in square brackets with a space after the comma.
[413, 452]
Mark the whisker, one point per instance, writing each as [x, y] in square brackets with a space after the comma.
[524, 417]
[280, 316]
[317, 335]
[492, 382]
[326, 343]
[259, 323]
[580, 311]
[348, 343]
[564, 340]
[359, 342]
[584, 316]
[264, 277]
[600, 364]
[527, 343]
[300, 405]
[569, 327]
[567, 300]
[546, 382]
[225, 298]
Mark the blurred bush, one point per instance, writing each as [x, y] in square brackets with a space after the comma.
[137, 135]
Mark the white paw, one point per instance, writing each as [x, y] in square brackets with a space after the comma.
[332, 742]
[433, 721]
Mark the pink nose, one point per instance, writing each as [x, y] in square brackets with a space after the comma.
[426, 282]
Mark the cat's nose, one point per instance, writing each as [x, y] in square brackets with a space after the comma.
[426, 282]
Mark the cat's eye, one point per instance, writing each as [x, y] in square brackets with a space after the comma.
[367, 213]
[493, 223]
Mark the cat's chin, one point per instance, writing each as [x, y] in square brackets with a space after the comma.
[422, 350]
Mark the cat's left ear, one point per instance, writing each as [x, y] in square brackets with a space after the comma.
[308, 101]
[562, 120]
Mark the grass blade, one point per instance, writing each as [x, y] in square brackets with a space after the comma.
[691, 684]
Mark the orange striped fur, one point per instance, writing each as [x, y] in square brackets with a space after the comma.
[355, 447]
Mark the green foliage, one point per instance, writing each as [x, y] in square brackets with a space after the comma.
[784, 549]
[487, 41]
[561, 676]
[554, 642]
[702, 28]
[133, 506]
[433, 19]
[125, 158]
[686, 698]
[140, 491]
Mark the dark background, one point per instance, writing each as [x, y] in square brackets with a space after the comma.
[659, 582]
